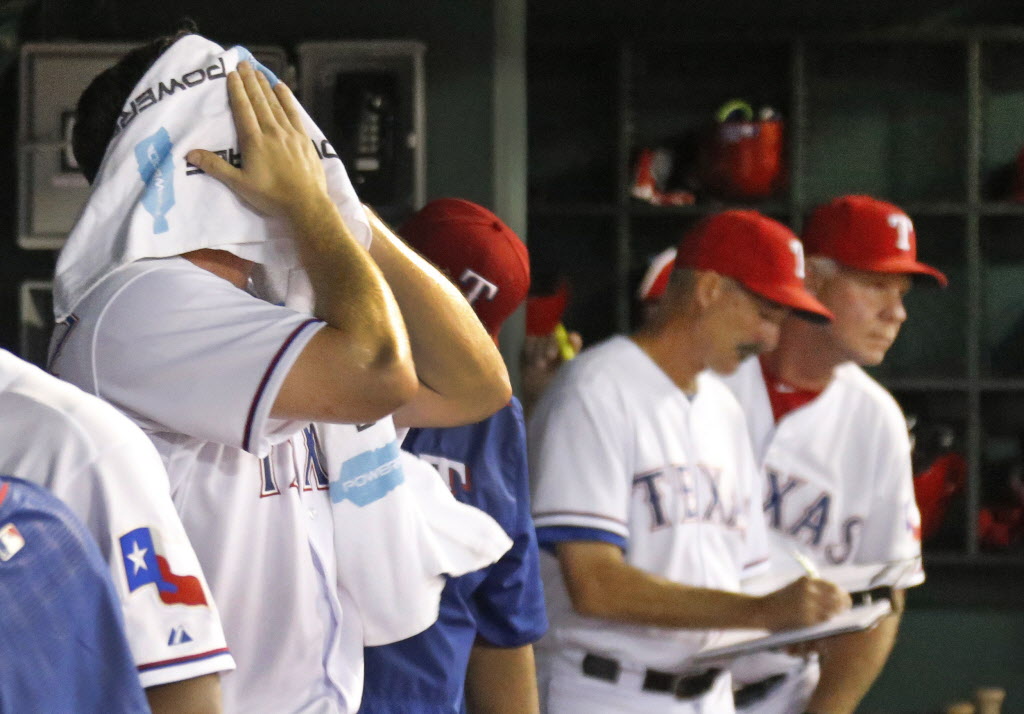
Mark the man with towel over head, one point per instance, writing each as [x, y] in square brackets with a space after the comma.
[226, 290]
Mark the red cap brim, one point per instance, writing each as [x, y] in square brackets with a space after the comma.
[799, 300]
[902, 264]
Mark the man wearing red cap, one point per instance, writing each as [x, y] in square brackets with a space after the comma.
[646, 497]
[652, 285]
[488, 619]
[834, 447]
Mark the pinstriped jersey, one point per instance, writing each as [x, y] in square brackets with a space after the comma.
[198, 364]
[838, 484]
[837, 474]
[619, 453]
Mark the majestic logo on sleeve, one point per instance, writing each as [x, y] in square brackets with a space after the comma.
[156, 168]
[144, 565]
[369, 476]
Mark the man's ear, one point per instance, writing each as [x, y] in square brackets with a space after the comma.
[708, 288]
[816, 277]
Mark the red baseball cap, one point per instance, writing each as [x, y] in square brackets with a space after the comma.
[760, 253]
[865, 233]
[544, 312]
[655, 280]
[481, 255]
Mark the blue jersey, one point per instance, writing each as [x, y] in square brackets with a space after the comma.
[62, 643]
[485, 465]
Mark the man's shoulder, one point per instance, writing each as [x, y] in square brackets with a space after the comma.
[855, 385]
[152, 275]
[56, 415]
[615, 359]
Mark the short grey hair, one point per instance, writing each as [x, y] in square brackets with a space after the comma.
[822, 265]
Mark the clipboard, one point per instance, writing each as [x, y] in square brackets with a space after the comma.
[735, 643]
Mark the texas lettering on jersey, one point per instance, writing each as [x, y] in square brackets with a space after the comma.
[697, 494]
[794, 507]
[314, 475]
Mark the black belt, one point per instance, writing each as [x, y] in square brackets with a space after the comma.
[682, 686]
[754, 692]
[866, 597]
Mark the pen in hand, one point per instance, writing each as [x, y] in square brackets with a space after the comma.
[805, 563]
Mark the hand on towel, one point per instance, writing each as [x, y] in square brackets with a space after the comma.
[281, 172]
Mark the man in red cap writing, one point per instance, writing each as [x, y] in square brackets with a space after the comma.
[834, 449]
[646, 494]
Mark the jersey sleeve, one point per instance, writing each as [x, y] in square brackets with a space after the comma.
[123, 496]
[579, 464]
[206, 359]
[509, 603]
[892, 528]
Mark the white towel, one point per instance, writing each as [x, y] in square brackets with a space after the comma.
[398, 530]
[147, 202]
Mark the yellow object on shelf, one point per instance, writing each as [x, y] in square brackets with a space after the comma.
[565, 348]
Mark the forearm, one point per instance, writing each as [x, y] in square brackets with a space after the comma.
[200, 695]
[615, 590]
[350, 292]
[851, 663]
[461, 371]
[359, 368]
[501, 680]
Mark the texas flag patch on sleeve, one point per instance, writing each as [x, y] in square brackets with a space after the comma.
[144, 565]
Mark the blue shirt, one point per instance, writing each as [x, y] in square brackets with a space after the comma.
[485, 465]
[62, 643]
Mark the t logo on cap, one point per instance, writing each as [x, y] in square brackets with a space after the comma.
[477, 284]
[904, 228]
[466, 241]
[798, 252]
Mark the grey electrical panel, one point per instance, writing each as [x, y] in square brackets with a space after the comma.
[368, 98]
[51, 189]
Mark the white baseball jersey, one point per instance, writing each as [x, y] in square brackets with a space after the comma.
[838, 480]
[619, 453]
[109, 474]
[198, 364]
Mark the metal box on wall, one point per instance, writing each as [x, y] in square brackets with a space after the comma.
[51, 189]
[368, 97]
